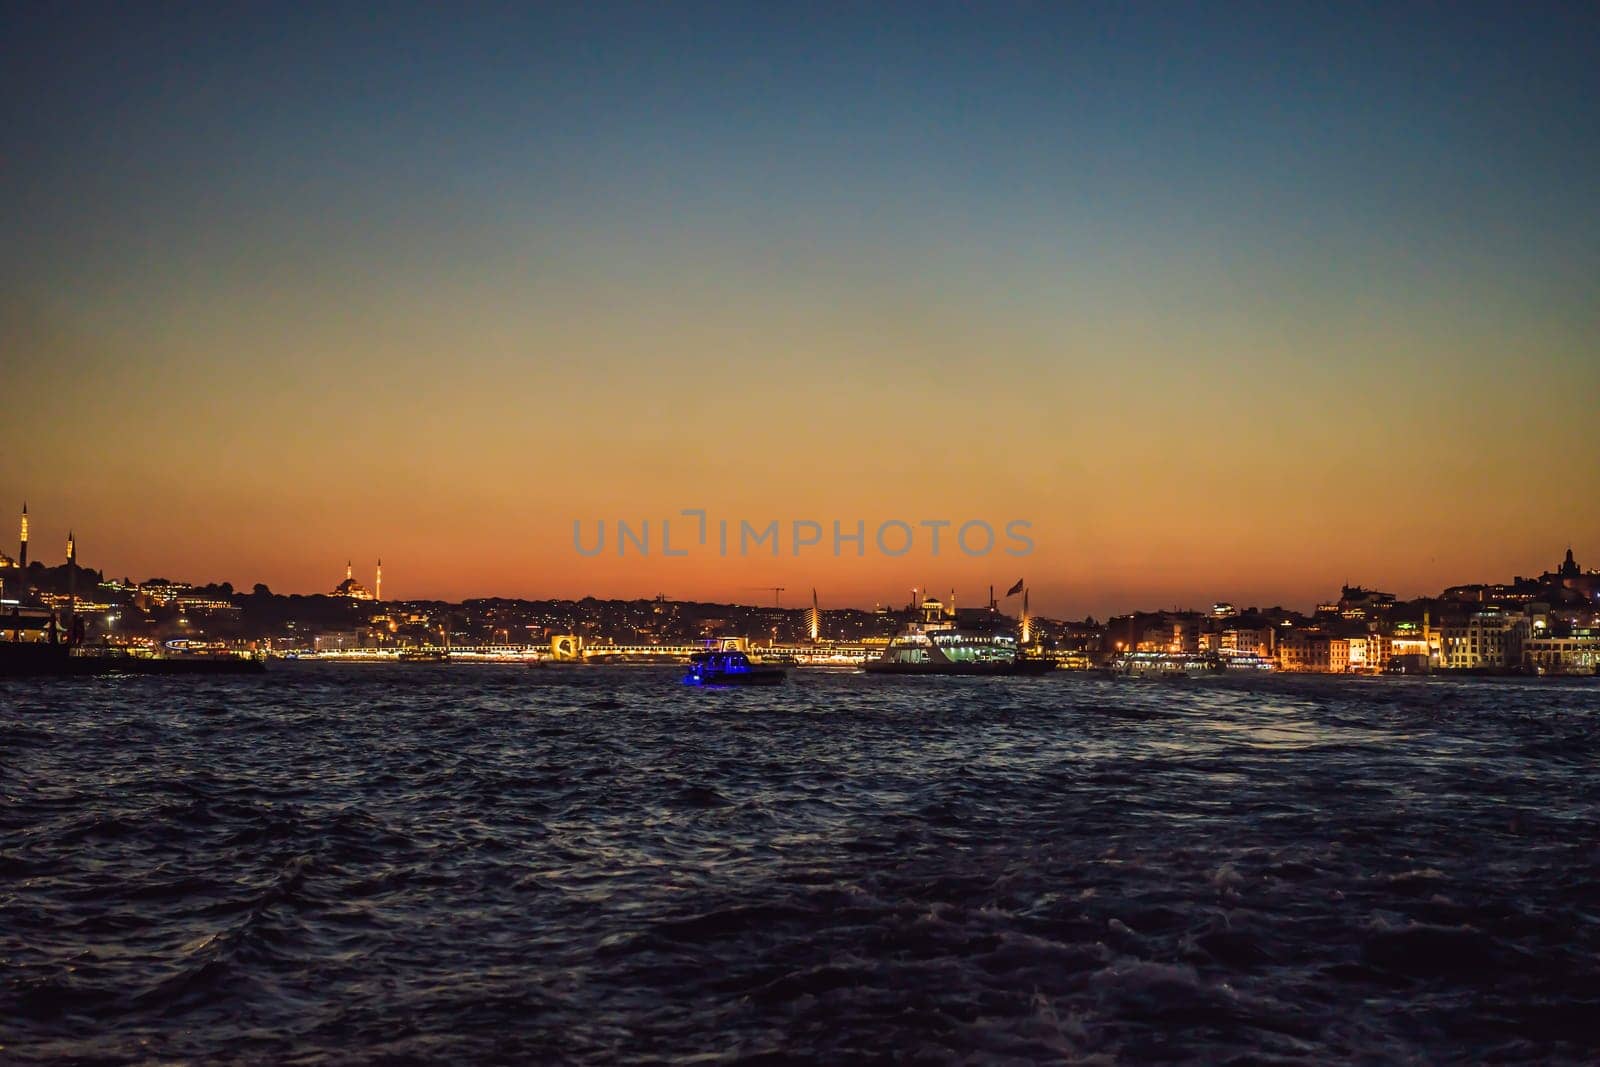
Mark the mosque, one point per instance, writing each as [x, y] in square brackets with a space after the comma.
[354, 590]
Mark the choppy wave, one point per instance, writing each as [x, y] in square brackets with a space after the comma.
[327, 865]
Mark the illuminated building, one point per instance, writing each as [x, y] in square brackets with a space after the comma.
[350, 587]
[336, 640]
[1353, 655]
[63, 601]
[162, 592]
[1576, 654]
[1485, 639]
[1245, 640]
[1568, 582]
[1409, 654]
[204, 604]
[1301, 651]
[1185, 635]
[1358, 603]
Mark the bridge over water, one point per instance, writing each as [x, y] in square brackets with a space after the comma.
[569, 648]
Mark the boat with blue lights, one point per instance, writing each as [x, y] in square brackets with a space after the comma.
[731, 667]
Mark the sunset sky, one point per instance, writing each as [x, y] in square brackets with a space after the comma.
[1229, 303]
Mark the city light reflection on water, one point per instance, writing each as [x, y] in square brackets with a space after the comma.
[603, 865]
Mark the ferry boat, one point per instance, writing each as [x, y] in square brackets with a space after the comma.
[937, 644]
[730, 667]
[1166, 665]
[34, 643]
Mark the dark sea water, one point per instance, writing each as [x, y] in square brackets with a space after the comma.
[444, 864]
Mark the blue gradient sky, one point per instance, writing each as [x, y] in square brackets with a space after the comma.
[1229, 301]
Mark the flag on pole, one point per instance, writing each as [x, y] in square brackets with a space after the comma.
[1014, 590]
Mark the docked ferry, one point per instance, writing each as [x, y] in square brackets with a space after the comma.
[35, 642]
[937, 644]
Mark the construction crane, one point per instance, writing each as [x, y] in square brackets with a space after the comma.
[776, 590]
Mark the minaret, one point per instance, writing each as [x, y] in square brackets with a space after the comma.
[72, 582]
[377, 583]
[1027, 623]
[349, 570]
[22, 553]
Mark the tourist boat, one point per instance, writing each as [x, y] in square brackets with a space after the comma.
[936, 644]
[424, 655]
[1168, 665]
[730, 668]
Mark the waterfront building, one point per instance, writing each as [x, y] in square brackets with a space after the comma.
[1578, 653]
[1246, 640]
[1362, 654]
[1485, 640]
[1380, 650]
[1369, 653]
[336, 640]
[1300, 650]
